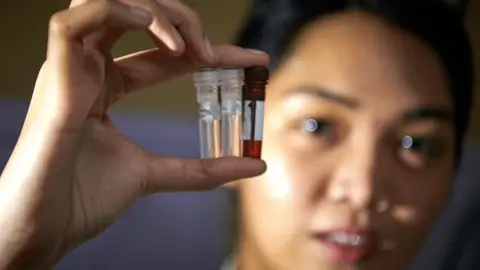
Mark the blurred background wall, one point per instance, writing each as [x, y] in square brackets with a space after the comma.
[23, 32]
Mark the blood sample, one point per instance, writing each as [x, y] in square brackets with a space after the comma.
[256, 80]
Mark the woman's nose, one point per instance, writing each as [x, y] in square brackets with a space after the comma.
[354, 179]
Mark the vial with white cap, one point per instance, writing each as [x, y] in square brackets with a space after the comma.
[207, 85]
[231, 85]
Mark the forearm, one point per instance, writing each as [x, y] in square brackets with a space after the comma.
[25, 256]
[26, 238]
[22, 247]
[22, 243]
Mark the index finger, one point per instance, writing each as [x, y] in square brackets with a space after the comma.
[154, 66]
[72, 25]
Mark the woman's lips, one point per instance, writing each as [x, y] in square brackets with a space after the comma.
[349, 245]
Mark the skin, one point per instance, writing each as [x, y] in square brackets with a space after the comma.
[366, 84]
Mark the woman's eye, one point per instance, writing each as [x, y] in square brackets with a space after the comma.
[318, 127]
[417, 149]
[427, 147]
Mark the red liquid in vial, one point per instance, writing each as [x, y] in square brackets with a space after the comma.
[253, 114]
[252, 149]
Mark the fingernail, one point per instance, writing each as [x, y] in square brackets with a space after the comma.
[208, 47]
[141, 14]
[256, 51]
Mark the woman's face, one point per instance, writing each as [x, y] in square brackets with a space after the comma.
[358, 141]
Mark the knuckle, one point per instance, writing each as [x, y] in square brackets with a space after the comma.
[104, 8]
[204, 172]
[58, 24]
[207, 176]
[147, 4]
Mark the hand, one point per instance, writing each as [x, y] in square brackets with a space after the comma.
[72, 173]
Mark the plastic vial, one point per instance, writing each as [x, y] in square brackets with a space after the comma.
[256, 80]
[231, 85]
[207, 84]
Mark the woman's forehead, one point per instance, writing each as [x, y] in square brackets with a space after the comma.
[357, 51]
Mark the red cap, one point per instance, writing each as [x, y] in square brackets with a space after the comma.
[256, 74]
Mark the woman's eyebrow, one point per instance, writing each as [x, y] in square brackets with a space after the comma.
[429, 113]
[438, 113]
[327, 95]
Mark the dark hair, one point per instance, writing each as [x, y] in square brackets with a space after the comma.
[273, 24]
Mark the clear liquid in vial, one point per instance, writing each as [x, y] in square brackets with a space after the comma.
[210, 130]
[232, 128]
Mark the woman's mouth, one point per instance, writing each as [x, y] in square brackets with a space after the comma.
[349, 245]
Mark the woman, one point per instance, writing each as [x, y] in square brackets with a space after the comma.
[366, 110]
[365, 117]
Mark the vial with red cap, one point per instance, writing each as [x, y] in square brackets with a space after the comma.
[256, 80]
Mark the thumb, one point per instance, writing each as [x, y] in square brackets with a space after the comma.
[177, 174]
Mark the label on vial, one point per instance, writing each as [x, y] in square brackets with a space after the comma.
[253, 113]
[231, 107]
[209, 111]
